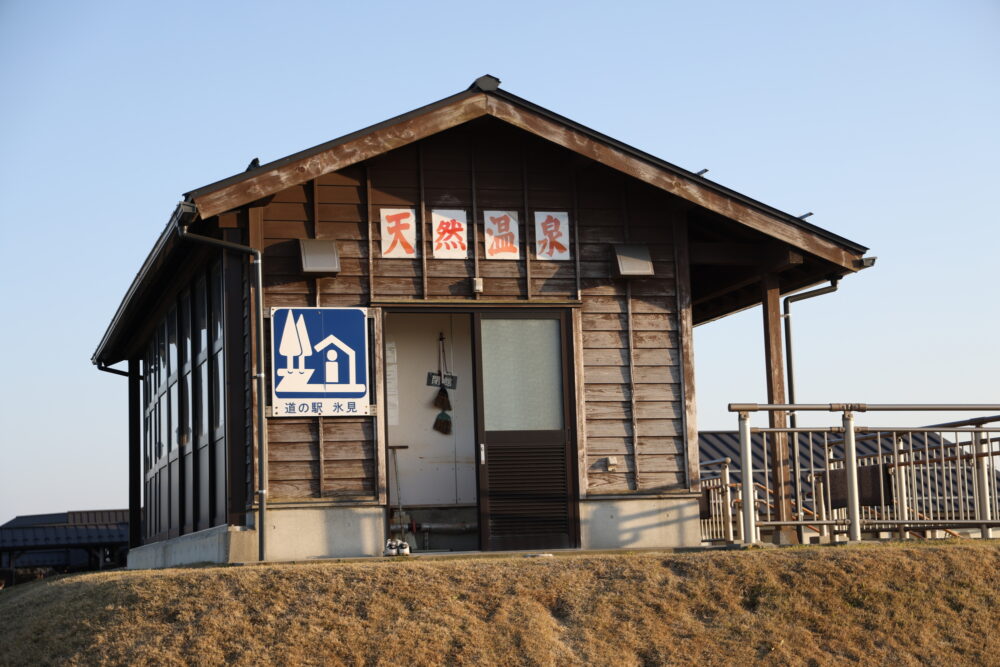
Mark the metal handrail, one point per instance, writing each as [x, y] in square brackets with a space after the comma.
[949, 483]
[863, 407]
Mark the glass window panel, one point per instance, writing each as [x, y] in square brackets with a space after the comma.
[216, 304]
[172, 434]
[201, 391]
[184, 333]
[164, 414]
[154, 423]
[185, 410]
[161, 356]
[522, 374]
[219, 393]
[172, 342]
[145, 443]
[200, 317]
[151, 367]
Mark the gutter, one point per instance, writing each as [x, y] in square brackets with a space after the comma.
[187, 210]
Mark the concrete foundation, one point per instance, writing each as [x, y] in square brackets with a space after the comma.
[639, 523]
[324, 532]
[302, 533]
[221, 544]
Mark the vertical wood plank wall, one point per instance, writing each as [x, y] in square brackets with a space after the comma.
[505, 160]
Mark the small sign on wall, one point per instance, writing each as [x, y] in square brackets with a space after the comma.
[552, 235]
[450, 234]
[399, 233]
[446, 380]
[503, 240]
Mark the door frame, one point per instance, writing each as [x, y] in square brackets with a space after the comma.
[562, 312]
[562, 315]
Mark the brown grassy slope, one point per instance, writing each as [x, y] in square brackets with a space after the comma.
[879, 604]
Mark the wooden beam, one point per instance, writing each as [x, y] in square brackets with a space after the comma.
[767, 256]
[772, 262]
[376, 143]
[751, 278]
[685, 338]
[774, 365]
[727, 254]
[681, 186]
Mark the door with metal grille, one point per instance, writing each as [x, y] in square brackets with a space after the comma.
[526, 480]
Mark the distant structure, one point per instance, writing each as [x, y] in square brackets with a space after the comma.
[64, 542]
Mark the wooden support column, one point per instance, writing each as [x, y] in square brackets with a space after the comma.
[135, 471]
[775, 368]
[685, 338]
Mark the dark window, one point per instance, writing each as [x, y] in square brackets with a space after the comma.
[161, 356]
[184, 404]
[164, 415]
[216, 298]
[172, 343]
[219, 393]
[200, 318]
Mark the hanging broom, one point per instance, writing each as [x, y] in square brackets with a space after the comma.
[441, 401]
[442, 424]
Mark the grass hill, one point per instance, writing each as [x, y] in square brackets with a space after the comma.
[899, 604]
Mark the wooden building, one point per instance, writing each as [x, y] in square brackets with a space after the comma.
[566, 306]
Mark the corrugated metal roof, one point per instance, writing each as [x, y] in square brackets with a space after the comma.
[65, 529]
[36, 520]
[721, 444]
[98, 516]
[68, 535]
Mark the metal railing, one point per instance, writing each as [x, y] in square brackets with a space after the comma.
[857, 481]
[717, 507]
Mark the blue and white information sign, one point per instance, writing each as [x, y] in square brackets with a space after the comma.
[319, 362]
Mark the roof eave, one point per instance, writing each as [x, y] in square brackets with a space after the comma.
[166, 242]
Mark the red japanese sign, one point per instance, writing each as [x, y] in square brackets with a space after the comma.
[502, 237]
[399, 232]
[451, 233]
[552, 235]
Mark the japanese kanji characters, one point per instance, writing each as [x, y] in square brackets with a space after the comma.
[450, 234]
[552, 235]
[502, 239]
[399, 232]
[449, 237]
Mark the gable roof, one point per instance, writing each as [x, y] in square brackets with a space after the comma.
[484, 98]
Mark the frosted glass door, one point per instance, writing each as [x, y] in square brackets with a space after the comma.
[526, 483]
[522, 374]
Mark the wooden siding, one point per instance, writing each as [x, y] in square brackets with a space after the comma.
[648, 448]
[487, 165]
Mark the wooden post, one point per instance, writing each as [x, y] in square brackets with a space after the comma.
[775, 367]
[685, 339]
[135, 471]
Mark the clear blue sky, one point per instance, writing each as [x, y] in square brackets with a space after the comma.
[882, 118]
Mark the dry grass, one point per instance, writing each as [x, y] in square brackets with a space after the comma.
[880, 604]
